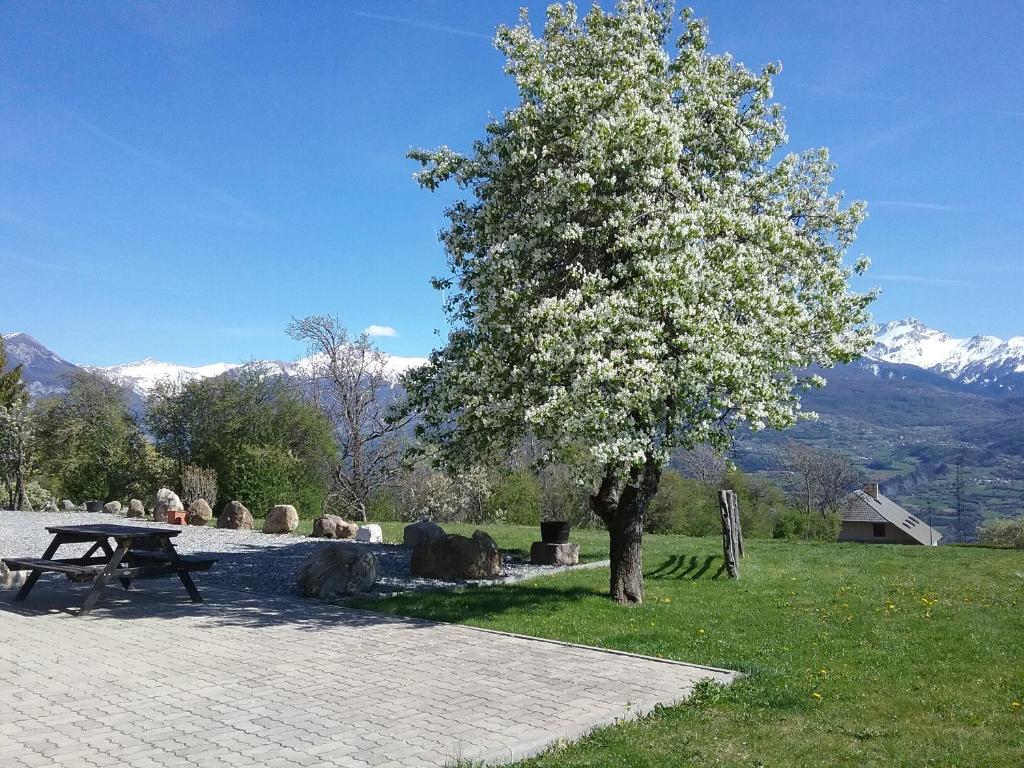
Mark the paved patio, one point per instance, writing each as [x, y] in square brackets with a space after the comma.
[149, 679]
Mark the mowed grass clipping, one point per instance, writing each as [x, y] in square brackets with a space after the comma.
[855, 655]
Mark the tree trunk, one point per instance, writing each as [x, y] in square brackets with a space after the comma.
[621, 504]
[626, 533]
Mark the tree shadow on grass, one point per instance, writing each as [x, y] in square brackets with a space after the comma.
[695, 567]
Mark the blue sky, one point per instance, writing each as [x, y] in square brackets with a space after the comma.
[178, 179]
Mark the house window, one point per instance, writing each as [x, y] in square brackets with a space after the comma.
[878, 530]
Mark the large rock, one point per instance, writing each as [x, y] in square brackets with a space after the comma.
[337, 570]
[235, 515]
[166, 501]
[112, 507]
[50, 506]
[68, 505]
[281, 519]
[542, 553]
[458, 557]
[10, 579]
[370, 533]
[199, 513]
[333, 527]
[135, 509]
[423, 532]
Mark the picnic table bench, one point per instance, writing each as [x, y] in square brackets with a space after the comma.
[138, 553]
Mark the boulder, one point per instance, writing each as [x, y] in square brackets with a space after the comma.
[337, 570]
[423, 532]
[235, 515]
[333, 527]
[136, 509]
[281, 519]
[166, 501]
[10, 579]
[50, 506]
[112, 507]
[370, 533]
[199, 513]
[457, 557]
[67, 505]
[542, 553]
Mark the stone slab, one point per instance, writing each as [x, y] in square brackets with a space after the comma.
[542, 553]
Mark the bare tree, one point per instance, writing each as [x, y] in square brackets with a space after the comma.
[346, 375]
[703, 463]
[835, 477]
[821, 478]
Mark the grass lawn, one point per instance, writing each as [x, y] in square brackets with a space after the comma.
[855, 655]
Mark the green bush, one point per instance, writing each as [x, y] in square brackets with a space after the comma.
[263, 476]
[683, 506]
[383, 505]
[1003, 532]
[796, 524]
[515, 500]
[37, 495]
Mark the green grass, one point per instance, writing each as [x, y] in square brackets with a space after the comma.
[917, 654]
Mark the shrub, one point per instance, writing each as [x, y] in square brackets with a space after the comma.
[684, 506]
[796, 524]
[198, 483]
[262, 476]
[1003, 532]
[515, 500]
[37, 495]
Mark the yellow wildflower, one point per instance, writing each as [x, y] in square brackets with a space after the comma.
[816, 696]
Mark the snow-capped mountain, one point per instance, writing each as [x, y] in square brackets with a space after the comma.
[46, 373]
[983, 361]
[142, 376]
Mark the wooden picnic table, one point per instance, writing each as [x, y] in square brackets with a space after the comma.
[138, 552]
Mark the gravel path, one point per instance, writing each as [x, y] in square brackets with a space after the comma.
[246, 560]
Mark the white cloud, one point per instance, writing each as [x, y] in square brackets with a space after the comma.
[380, 330]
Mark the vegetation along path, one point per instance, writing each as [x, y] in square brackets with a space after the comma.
[854, 655]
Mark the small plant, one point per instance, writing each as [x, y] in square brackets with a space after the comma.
[198, 483]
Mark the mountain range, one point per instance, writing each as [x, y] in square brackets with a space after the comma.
[916, 404]
[983, 363]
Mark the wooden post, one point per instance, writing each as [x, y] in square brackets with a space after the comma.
[734, 507]
[729, 547]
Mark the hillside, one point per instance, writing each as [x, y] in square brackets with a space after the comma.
[919, 401]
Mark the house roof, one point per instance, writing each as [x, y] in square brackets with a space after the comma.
[860, 506]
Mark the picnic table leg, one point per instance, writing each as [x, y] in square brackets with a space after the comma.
[33, 577]
[103, 578]
[186, 578]
[105, 546]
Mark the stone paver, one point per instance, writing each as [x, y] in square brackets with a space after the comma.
[149, 679]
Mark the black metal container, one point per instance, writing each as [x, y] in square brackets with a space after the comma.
[554, 532]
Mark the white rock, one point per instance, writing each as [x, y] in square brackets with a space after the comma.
[166, 501]
[370, 533]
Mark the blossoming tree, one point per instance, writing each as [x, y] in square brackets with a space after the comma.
[635, 269]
